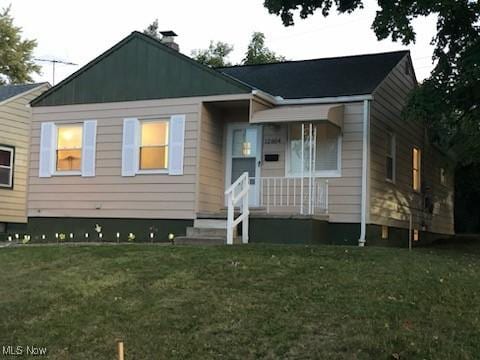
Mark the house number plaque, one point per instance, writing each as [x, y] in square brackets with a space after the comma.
[272, 140]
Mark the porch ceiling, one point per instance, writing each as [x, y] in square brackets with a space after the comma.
[283, 114]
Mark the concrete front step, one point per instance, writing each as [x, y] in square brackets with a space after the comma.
[200, 240]
[206, 232]
[210, 223]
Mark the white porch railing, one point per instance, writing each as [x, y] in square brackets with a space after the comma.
[238, 191]
[307, 196]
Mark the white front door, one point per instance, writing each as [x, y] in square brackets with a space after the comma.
[244, 153]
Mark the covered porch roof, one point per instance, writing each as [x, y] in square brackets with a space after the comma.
[283, 114]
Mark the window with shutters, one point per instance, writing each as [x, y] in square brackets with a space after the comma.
[154, 147]
[7, 155]
[326, 152]
[69, 148]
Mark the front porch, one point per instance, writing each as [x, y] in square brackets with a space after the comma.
[266, 162]
[287, 173]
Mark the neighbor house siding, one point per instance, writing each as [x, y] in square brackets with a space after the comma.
[344, 191]
[392, 203]
[15, 118]
[211, 185]
[108, 194]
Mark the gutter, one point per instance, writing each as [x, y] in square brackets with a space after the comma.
[278, 100]
[365, 153]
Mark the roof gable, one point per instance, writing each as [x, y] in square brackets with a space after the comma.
[139, 68]
[10, 91]
[318, 78]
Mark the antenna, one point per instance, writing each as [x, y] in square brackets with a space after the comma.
[54, 62]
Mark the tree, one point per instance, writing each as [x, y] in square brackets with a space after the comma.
[448, 102]
[16, 54]
[152, 30]
[215, 56]
[258, 53]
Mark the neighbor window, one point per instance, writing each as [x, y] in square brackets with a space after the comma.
[416, 168]
[154, 145]
[325, 153]
[69, 147]
[390, 157]
[6, 167]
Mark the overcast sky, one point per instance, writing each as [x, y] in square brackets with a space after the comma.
[78, 31]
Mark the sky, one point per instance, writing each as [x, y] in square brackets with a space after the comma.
[78, 31]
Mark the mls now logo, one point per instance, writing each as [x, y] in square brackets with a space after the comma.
[16, 350]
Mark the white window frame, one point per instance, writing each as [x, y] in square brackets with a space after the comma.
[139, 171]
[321, 173]
[11, 150]
[55, 150]
[419, 151]
[393, 156]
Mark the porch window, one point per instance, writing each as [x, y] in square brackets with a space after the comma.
[390, 157]
[416, 168]
[154, 145]
[6, 167]
[326, 141]
[69, 147]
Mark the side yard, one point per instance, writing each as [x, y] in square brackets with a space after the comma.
[242, 302]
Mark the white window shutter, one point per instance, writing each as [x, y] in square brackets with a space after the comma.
[47, 151]
[89, 147]
[131, 136]
[176, 144]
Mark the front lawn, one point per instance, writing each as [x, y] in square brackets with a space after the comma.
[242, 302]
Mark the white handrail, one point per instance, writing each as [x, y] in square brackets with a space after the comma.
[242, 183]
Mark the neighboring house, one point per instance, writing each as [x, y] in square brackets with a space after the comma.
[15, 118]
[144, 140]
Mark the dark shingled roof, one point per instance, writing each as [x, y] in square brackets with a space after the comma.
[338, 76]
[8, 91]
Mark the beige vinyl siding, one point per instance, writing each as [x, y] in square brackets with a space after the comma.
[211, 160]
[108, 194]
[391, 204]
[344, 191]
[15, 117]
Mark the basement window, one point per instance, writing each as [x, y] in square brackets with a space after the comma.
[415, 235]
[6, 166]
[384, 232]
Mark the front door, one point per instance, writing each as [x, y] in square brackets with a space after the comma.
[244, 153]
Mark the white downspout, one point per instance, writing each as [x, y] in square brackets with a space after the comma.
[365, 152]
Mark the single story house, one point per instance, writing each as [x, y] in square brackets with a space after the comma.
[145, 141]
[15, 117]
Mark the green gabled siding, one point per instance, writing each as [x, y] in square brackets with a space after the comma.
[139, 68]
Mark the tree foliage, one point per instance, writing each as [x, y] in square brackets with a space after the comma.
[449, 100]
[258, 53]
[215, 56]
[16, 54]
[152, 30]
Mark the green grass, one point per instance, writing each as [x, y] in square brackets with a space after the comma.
[243, 302]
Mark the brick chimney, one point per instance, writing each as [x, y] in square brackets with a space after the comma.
[168, 38]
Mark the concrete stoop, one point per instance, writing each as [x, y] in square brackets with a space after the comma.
[208, 231]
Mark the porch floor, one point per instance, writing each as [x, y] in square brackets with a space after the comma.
[261, 213]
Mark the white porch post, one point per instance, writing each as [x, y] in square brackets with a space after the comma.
[245, 211]
[303, 166]
[310, 138]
